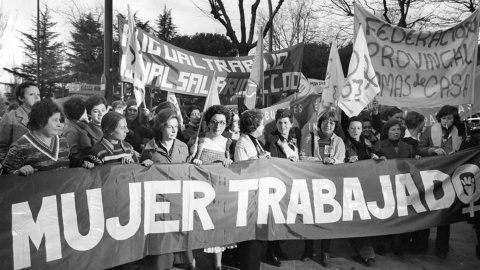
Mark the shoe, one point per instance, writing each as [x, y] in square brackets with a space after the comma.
[272, 260]
[326, 260]
[370, 262]
[441, 254]
[381, 250]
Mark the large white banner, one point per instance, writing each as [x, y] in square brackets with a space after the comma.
[421, 68]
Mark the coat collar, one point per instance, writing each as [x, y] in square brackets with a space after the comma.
[22, 115]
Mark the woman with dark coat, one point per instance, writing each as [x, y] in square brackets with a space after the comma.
[282, 144]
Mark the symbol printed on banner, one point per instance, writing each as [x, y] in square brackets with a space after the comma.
[466, 182]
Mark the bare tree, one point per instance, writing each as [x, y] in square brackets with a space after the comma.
[73, 11]
[295, 23]
[453, 11]
[415, 14]
[245, 43]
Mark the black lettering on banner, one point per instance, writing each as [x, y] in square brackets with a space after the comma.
[437, 35]
[397, 31]
[365, 74]
[425, 87]
[423, 39]
[360, 83]
[405, 58]
[419, 63]
[387, 53]
[373, 48]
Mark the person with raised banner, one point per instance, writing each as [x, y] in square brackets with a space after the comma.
[41, 149]
[281, 143]
[166, 148]
[13, 125]
[441, 139]
[249, 148]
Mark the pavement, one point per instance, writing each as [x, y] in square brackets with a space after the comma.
[461, 255]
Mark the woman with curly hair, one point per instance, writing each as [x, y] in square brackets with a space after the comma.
[42, 148]
[214, 147]
[247, 148]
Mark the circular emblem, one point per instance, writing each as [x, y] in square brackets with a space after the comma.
[466, 182]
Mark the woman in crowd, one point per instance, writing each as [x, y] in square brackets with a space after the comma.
[392, 113]
[441, 139]
[79, 135]
[233, 130]
[194, 116]
[112, 147]
[14, 124]
[417, 241]
[392, 148]
[42, 148]
[96, 107]
[139, 130]
[282, 144]
[330, 149]
[213, 147]
[358, 148]
[368, 132]
[247, 148]
[166, 148]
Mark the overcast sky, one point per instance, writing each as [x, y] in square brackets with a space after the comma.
[186, 16]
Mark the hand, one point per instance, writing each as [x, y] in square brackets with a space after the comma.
[227, 162]
[127, 160]
[468, 184]
[375, 107]
[146, 112]
[328, 161]
[440, 152]
[293, 158]
[26, 170]
[147, 163]
[417, 157]
[352, 159]
[382, 158]
[87, 165]
[197, 161]
[265, 154]
[375, 157]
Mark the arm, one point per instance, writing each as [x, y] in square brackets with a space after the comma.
[424, 144]
[14, 159]
[339, 155]
[6, 127]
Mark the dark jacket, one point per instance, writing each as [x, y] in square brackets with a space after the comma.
[81, 139]
[385, 148]
[351, 149]
[12, 126]
[272, 146]
[152, 151]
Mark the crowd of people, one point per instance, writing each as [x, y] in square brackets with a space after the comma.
[35, 137]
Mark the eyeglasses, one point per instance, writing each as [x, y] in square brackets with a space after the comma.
[217, 123]
[326, 122]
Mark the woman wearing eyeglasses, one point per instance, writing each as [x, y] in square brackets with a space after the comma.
[214, 147]
[441, 139]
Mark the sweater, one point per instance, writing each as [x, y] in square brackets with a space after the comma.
[105, 152]
[29, 150]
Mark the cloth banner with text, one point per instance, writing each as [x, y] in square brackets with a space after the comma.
[421, 68]
[114, 214]
[173, 69]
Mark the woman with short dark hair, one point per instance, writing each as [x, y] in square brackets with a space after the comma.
[42, 148]
[247, 148]
[79, 135]
[281, 143]
[112, 147]
[13, 124]
[233, 130]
